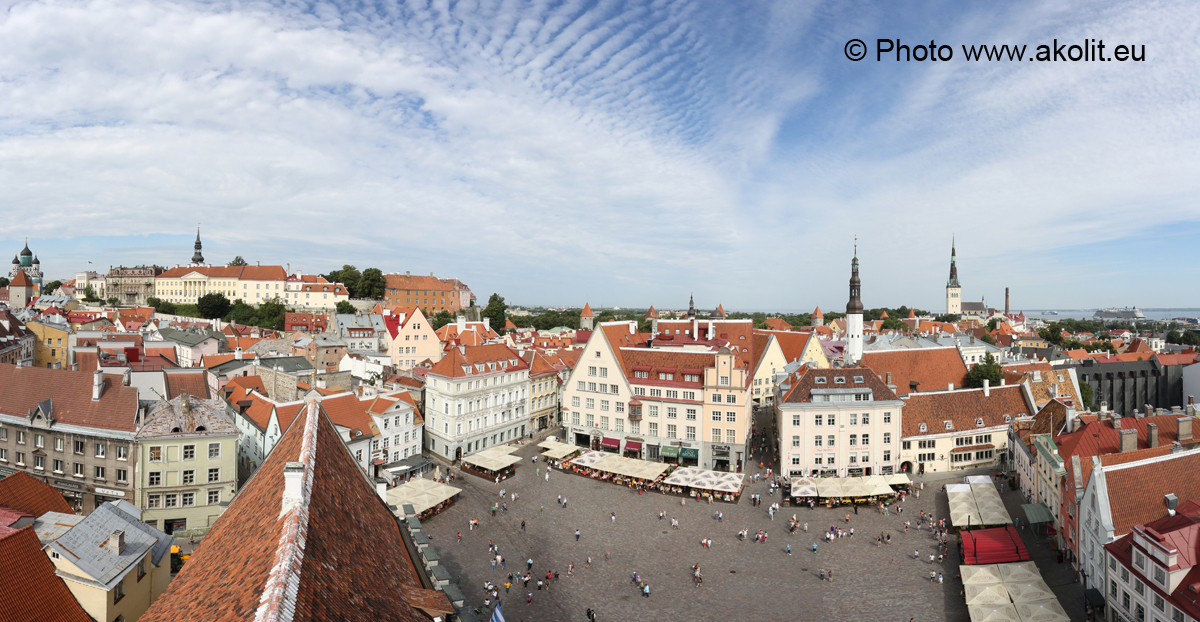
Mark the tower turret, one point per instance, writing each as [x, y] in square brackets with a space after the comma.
[197, 257]
[854, 318]
[953, 289]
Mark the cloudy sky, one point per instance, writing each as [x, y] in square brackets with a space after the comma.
[622, 153]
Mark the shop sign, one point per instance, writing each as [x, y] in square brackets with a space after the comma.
[109, 492]
[71, 485]
[721, 450]
[7, 472]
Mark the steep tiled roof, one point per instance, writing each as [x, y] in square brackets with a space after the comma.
[420, 283]
[25, 493]
[31, 591]
[587, 311]
[961, 409]
[1100, 437]
[194, 382]
[71, 391]
[336, 554]
[213, 360]
[263, 273]
[451, 365]
[774, 323]
[1051, 419]
[347, 411]
[932, 368]
[791, 342]
[817, 313]
[805, 380]
[1136, 490]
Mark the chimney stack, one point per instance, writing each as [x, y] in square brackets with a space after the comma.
[115, 542]
[1005, 301]
[293, 478]
[1152, 434]
[1185, 429]
[1116, 421]
[1103, 406]
[888, 382]
[987, 387]
[97, 385]
[1149, 410]
[185, 402]
[126, 377]
[381, 487]
[1128, 440]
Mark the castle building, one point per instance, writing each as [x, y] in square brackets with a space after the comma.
[854, 316]
[28, 263]
[953, 289]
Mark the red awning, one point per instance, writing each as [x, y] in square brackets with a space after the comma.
[632, 446]
[610, 442]
[993, 546]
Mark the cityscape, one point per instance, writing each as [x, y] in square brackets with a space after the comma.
[488, 311]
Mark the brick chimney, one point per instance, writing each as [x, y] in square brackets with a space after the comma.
[1128, 440]
[1152, 434]
[1116, 421]
[293, 477]
[888, 381]
[115, 542]
[1185, 428]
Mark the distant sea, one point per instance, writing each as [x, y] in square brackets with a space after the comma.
[1086, 314]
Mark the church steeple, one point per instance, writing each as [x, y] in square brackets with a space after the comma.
[855, 304]
[854, 316]
[953, 282]
[197, 257]
[691, 305]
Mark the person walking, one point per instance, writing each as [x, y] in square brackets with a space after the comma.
[614, 518]
[789, 549]
[831, 575]
[522, 525]
[577, 535]
[529, 564]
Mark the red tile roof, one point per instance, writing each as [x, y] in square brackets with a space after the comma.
[31, 591]
[774, 323]
[804, 380]
[962, 409]
[336, 555]
[1135, 492]
[212, 360]
[192, 382]
[25, 493]
[420, 283]
[587, 310]
[791, 342]
[347, 411]
[1100, 437]
[1186, 357]
[451, 365]
[263, 273]
[71, 391]
[932, 368]
[817, 313]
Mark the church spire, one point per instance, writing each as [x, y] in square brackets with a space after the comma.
[691, 305]
[953, 282]
[197, 257]
[855, 304]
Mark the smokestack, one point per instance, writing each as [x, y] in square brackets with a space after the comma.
[1152, 434]
[115, 542]
[888, 382]
[97, 385]
[1128, 440]
[185, 402]
[1005, 301]
[1185, 428]
[237, 354]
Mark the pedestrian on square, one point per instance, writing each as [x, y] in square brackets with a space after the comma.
[814, 548]
[931, 556]
[916, 554]
[539, 585]
[789, 549]
[522, 525]
[459, 534]
[507, 584]
[607, 556]
[932, 576]
[560, 499]
[577, 535]
[529, 564]
[529, 598]
[847, 518]
[805, 527]
[940, 577]
[830, 574]
[614, 517]
[589, 561]
[889, 538]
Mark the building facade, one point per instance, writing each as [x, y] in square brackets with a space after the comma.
[410, 338]
[17, 341]
[187, 465]
[132, 286]
[52, 342]
[476, 397]
[837, 422]
[955, 430]
[431, 294]
[544, 388]
[27, 262]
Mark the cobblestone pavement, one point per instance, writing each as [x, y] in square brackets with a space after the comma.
[742, 580]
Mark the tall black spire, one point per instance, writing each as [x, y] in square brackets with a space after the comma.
[953, 282]
[691, 305]
[854, 306]
[197, 257]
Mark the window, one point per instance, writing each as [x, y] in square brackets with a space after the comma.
[189, 477]
[923, 428]
[949, 425]
[603, 423]
[831, 440]
[716, 398]
[172, 500]
[1112, 589]
[99, 472]
[39, 462]
[100, 450]
[962, 441]
[817, 440]
[819, 380]
[853, 419]
[887, 417]
[119, 591]
[620, 407]
[1160, 575]
[1139, 587]
[214, 496]
[214, 475]
[887, 438]
[653, 429]
[691, 395]
[670, 430]
[1159, 603]
[816, 420]
[78, 446]
[1139, 560]
[122, 475]
[866, 418]
[1125, 574]
[189, 452]
[59, 443]
[1176, 615]
[156, 454]
[58, 466]
[603, 404]
[592, 386]
[39, 440]
[691, 432]
[906, 445]
[731, 399]
[591, 420]
[724, 381]
[78, 468]
[839, 380]
[575, 401]
[854, 440]
[730, 435]
[590, 403]
[796, 440]
[818, 459]
[153, 478]
[592, 371]
[582, 386]
[831, 419]
[154, 501]
[926, 444]
[866, 440]
[926, 457]
[887, 455]
[3, 455]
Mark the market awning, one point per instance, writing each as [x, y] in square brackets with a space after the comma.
[1037, 513]
[669, 451]
[1094, 598]
[610, 442]
[633, 446]
[689, 453]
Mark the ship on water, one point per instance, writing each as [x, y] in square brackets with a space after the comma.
[1114, 313]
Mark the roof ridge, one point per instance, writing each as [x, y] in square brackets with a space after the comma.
[278, 601]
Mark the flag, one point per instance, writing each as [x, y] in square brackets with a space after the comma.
[497, 616]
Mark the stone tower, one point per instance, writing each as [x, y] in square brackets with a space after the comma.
[854, 318]
[953, 289]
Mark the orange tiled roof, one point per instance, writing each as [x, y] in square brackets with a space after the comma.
[805, 380]
[774, 323]
[451, 365]
[1100, 437]
[587, 311]
[962, 409]
[26, 493]
[1135, 493]
[192, 382]
[31, 591]
[791, 342]
[263, 273]
[932, 368]
[71, 391]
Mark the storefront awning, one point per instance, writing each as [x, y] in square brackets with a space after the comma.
[689, 453]
[633, 446]
[610, 442]
[669, 451]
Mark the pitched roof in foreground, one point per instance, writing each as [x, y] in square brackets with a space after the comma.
[31, 592]
[335, 554]
[25, 493]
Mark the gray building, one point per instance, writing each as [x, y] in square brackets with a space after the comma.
[1128, 387]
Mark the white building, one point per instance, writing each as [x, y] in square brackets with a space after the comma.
[475, 397]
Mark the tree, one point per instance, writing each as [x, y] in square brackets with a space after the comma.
[344, 307]
[988, 339]
[1190, 339]
[1174, 337]
[51, 287]
[1052, 334]
[496, 312]
[348, 276]
[237, 261]
[373, 284]
[991, 325]
[212, 306]
[112, 301]
[89, 294]
[4, 281]
[162, 306]
[1087, 394]
[894, 324]
[989, 369]
[442, 318]
[946, 317]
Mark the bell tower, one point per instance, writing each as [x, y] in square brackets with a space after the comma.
[953, 289]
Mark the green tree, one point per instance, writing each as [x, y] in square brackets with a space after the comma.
[1087, 394]
[51, 287]
[1190, 339]
[989, 369]
[4, 281]
[162, 306]
[1052, 334]
[946, 317]
[237, 261]
[348, 276]
[373, 284]
[344, 306]
[271, 314]
[213, 305]
[496, 312]
[442, 318]
[893, 324]
[988, 339]
[89, 294]
[1174, 337]
[991, 325]
[112, 301]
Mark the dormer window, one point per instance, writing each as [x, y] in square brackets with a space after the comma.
[491, 367]
[819, 380]
[949, 425]
[839, 380]
[923, 428]
[979, 422]
[1007, 418]
[858, 380]
[466, 369]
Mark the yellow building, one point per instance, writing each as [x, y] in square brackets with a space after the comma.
[114, 564]
[51, 345]
[543, 392]
[186, 285]
[778, 348]
[411, 338]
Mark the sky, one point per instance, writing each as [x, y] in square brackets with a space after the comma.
[616, 153]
